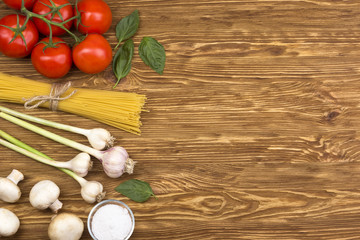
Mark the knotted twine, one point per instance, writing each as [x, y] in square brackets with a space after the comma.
[57, 89]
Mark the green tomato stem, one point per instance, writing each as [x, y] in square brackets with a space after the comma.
[24, 146]
[53, 136]
[30, 14]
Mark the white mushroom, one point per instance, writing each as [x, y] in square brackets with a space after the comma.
[45, 194]
[9, 223]
[9, 191]
[66, 226]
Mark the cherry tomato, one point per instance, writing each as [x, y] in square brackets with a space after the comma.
[17, 47]
[96, 16]
[16, 4]
[66, 12]
[52, 62]
[93, 54]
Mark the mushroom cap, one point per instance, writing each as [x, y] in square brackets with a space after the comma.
[9, 223]
[43, 194]
[66, 226]
[9, 191]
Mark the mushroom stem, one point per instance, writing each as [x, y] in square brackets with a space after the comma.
[15, 176]
[56, 206]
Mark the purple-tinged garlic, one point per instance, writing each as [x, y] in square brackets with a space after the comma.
[116, 161]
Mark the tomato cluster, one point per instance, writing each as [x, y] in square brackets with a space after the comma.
[52, 56]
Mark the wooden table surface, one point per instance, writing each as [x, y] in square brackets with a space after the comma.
[252, 130]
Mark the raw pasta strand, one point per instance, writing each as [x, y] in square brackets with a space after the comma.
[119, 109]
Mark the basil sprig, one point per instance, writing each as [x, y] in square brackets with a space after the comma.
[127, 27]
[150, 50]
[122, 60]
[136, 190]
[153, 54]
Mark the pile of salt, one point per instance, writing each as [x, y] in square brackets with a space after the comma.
[111, 222]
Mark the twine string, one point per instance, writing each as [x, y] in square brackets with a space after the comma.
[57, 89]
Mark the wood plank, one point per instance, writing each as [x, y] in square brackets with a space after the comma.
[252, 131]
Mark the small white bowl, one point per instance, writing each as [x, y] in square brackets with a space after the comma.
[103, 203]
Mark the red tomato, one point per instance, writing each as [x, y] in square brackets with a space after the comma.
[53, 62]
[93, 54]
[66, 13]
[96, 16]
[16, 4]
[17, 48]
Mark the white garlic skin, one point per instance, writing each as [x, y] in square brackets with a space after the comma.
[114, 161]
[81, 164]
[92, 191]
[100, 138]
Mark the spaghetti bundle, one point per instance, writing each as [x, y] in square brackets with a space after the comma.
[119, 109]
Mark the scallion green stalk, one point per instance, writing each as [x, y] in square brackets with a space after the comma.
[51, 135]
[91, 191]
[99, 138]
[23, 145]
[80, 164]
[115, 160]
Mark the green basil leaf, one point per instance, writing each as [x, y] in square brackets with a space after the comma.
[153, 54]
[127, 26]
[136, 190]
[122, 60]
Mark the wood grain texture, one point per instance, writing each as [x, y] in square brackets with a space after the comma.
[252, 131]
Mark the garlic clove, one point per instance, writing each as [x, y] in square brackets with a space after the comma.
[81, 164]
[9, 223]
[92, 191]
[114, 161]
[100, 138]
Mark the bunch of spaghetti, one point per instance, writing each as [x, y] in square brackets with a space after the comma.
[119, 109]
